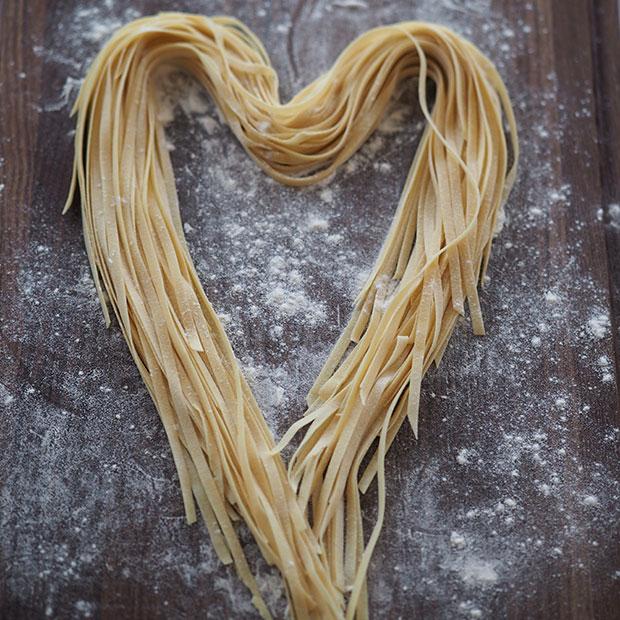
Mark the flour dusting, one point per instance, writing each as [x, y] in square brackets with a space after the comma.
[499, 495]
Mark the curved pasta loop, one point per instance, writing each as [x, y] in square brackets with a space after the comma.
[430, 265]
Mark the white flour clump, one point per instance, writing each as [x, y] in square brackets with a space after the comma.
[469, 610]
[605, 369]
[318, 223]
[551, 297]
[598, 326]
[350, 4]
[613, 211]
[463, 456]
[292, 302]
[457, 541]
[476, 571]
[327, 195]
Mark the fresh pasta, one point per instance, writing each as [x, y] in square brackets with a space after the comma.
[307, 520]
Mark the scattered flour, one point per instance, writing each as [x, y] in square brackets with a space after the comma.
[281, 269]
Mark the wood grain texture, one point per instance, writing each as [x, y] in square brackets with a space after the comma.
[91, 518]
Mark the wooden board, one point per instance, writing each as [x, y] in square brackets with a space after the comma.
[507, 506]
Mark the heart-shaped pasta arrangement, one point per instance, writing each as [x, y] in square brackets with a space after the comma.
[307, 520]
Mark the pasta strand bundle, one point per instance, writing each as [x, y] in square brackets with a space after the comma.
[430, 265]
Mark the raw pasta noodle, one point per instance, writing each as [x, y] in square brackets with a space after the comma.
[307, 521]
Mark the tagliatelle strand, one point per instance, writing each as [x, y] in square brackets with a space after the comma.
[430, 264]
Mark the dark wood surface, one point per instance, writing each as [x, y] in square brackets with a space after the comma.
[518, 448]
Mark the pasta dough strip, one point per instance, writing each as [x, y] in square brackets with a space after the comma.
[436, 251]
